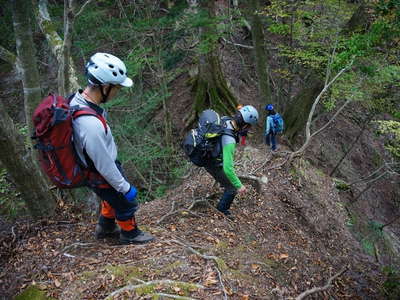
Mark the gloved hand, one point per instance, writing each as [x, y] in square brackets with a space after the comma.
[131, 194]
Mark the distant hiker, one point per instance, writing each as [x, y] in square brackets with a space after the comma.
[273, 126]
[243, 133]
[95, 146]
[212, 146]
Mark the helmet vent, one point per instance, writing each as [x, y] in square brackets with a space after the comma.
[111, 66]
[121, 72]
[115, 74]
[96, 67]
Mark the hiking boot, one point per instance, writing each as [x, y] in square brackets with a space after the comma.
[106, 228]
[227, 214]
[102, 231]
[135, 236]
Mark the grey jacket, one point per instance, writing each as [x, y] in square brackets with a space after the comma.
[90, 135]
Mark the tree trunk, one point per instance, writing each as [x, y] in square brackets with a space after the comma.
[264, 88]
[297, 113]
[18, 162]
[26, 58]
[14, 157]
[210, 87]
[57, 44]
[64, 86]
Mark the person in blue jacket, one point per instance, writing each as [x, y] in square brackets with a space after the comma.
[270, 133]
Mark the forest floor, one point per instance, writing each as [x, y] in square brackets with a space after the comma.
[287, 237]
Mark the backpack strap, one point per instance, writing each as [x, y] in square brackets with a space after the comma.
[228, 131]
[87, 111]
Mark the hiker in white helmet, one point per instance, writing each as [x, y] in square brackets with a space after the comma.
[224, 174]
[95, 147]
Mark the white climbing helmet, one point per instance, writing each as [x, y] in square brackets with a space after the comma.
[104, 68]
[249, 114]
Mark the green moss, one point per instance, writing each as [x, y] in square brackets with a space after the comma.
[145, 290]
[32, 293]
[341, 185]
[169, 268]
[221, 264]
[124, 272]
[88, 275]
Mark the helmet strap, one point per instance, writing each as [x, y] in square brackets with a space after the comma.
[105, 95]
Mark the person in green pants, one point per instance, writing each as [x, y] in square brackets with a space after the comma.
[224, 173]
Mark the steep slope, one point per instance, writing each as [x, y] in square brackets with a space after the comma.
[285, 239]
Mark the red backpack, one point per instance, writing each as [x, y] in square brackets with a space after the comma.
[52, 121]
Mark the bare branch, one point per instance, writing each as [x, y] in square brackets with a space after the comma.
[320, 289]
[168, 282]
[82, 8]
[326, 87]
[208, 257]
[238, 45]
[162, 295]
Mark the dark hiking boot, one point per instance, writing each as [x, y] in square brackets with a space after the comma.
[135, 236]
[227, 214]
[102, 232]
[106, 228]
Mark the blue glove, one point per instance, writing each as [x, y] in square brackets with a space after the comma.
[131, 194]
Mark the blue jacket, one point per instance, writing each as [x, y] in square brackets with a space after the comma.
[269, 123]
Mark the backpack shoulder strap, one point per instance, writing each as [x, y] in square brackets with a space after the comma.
[228, 131]
[87, 111]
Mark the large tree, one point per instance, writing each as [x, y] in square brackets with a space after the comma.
[260, 53]
[15, 157]
[18, 162]
[210, 86]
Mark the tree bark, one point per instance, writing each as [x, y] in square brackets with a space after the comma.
[297, 113]
[14, 157]
[65, 59]
[210, 87]
[264, 88]
[57, 45]
[18, 162]
[26, 62]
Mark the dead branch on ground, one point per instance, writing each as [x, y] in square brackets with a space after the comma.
[207, 257]
[168, 282]
[323, 288]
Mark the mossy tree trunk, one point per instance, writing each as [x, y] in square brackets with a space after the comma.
[209, 85]
[296, 114]
[67, 76]
[26, 61]
[18, 162]
[65, 58]
[264, 88]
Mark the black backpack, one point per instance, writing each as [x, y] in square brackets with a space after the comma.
[203, 144]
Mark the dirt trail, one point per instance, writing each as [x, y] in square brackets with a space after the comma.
[286, 239]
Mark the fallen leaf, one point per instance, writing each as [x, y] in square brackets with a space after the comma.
[283, 256]
[245, 297]
[176, 289]
[57, 283]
